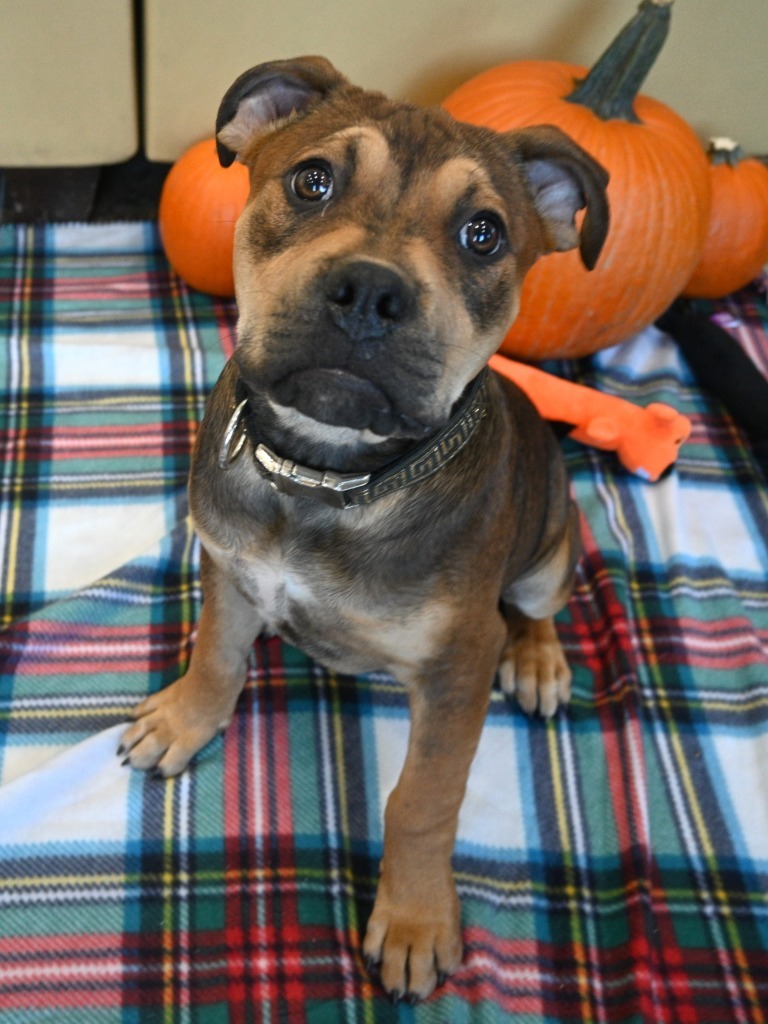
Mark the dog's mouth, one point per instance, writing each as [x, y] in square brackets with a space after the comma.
[340, 398]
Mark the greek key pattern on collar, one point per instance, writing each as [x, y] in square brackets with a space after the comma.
[430, 462]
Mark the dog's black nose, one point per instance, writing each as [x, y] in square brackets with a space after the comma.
[366, 300]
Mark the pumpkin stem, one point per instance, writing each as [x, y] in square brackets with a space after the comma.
[610, 88]
[725, 151]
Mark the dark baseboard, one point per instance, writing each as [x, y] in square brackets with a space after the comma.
[125, 191]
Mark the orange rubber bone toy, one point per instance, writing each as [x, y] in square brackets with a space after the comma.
[646, 440]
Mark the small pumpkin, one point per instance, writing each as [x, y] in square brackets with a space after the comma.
[659, 190]
[199, 204]
[736, 246]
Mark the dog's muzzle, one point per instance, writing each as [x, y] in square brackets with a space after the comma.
[361, 304]
[341, 398]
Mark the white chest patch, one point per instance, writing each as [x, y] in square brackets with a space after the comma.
[276, 587]
[342, 628]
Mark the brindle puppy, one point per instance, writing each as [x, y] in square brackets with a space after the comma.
[379, 498]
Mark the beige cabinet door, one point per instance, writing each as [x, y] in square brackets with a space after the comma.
[68, 82]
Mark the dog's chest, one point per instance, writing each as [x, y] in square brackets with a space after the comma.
[278, 587]
[343, 623]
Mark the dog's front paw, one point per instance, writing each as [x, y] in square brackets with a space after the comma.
[533, 667]
[170, 727]
[412, 944]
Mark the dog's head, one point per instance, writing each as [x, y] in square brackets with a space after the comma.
[380, 256]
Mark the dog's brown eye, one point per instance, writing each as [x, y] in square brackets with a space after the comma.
[312, 183]
[483, 234]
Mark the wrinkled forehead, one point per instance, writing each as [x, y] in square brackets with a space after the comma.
[373, 154]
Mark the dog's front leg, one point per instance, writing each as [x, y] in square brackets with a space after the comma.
[172, 725]
[414, 932]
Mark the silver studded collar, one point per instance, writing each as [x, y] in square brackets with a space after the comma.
[343, 490]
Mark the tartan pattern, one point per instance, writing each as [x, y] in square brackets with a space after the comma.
[613, 864]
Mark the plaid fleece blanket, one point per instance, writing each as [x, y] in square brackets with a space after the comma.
[613, 863]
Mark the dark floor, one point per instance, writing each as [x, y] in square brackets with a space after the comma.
[127, 191]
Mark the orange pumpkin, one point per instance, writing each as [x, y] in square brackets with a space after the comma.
[659, 190]
[199, 204]
[736, 247]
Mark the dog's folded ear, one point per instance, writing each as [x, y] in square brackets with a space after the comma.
[267, 95]
[563, 179]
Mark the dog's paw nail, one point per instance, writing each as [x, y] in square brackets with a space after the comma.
[121, 750]
[412, 999]
[395, 996]
[442, 977]
[125, 763]
[372, 965]
[158, 775]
